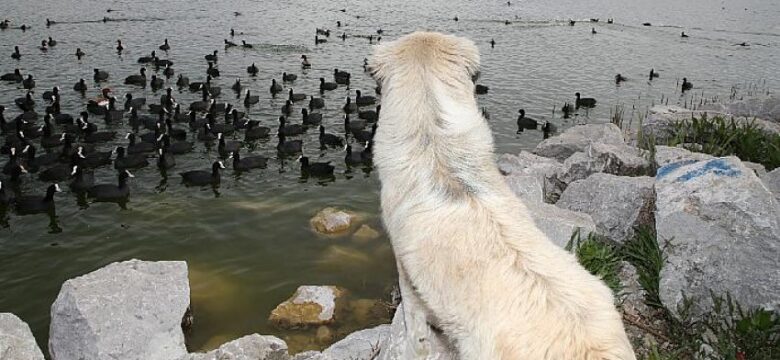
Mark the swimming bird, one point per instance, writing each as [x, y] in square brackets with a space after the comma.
[290, 129]
[237, 86]
[352, 158]
[318, 40]
[567, 109]
[225, 148]
[686, 85]
[156, 83]
[252, 69]
[683, 35]
[51, 42]
[254, 131]
[147, 59]
[365, 135]
[610, 21]
[593, 30]
[137, 79]
[16, 54]
[111, 192]
[619, 78]
[492, 43]
[124, 161]
[571, 22]
[317, 169]
[165, 46]
[135, 147]
[165, 159]
[213, 57]
[653, 74]
[228, 44]
[341, 77]
[289, 77]
[316, 103]
[246, 45]
[249, 162]
[82, 180]
[584, 102]
[133, 103]
[525, 123]
[182, 81]
[647, 24]
[305, 62]
[276, 87]
[44, 46]
[15, 76]
[168, 71]
[295, 97]
[80, 86]
[202, 177]
[311, 118]
[29, 82]
[370, 115]
[481, 89]
[119, 46]
[361, 100]
[250, 100]
[100, 75]
[288, 147]
[349, 107]
[327, 86]
[331, 140]
[34, 204]
[212, 71]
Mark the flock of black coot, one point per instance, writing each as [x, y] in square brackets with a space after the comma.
[129, 133]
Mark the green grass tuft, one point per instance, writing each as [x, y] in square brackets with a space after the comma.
[718, 136]
[598, 257]
[644, 252]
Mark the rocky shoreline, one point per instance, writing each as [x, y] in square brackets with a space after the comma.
[721, 214]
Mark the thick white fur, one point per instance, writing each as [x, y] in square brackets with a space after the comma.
[494, 282]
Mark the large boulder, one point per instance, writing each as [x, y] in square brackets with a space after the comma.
[559, 224]
[617, 204]
[16, 339]
[761, 107]
[772, 182]
[309, 306]
[126, 310]
[360, 345]
[725, 231]
[250, 347]
[578, 138]
[532, 177]
[617, 159]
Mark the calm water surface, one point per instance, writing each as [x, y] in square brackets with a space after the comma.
[249, 245]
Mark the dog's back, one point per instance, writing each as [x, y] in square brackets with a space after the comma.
[499, 288]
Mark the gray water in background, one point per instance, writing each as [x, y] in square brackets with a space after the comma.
[250, 247]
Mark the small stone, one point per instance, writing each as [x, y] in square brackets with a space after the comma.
[309, 306]
[331, 221]
[16, 339]
[365, 233]
[250, 347]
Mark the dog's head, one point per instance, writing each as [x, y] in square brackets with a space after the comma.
[443, 56]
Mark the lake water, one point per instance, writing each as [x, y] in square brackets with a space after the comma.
[249, 245]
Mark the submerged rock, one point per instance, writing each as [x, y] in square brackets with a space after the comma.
[365, 233]
[309, 306]
[125, 310]
[617, 204]
[725, 231]
[250, 347]
[578, 138]
[16, 339]
[331, 221]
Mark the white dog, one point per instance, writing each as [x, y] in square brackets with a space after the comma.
[494, 282]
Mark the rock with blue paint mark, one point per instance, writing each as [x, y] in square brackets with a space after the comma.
[724, 227]
[617, 204]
